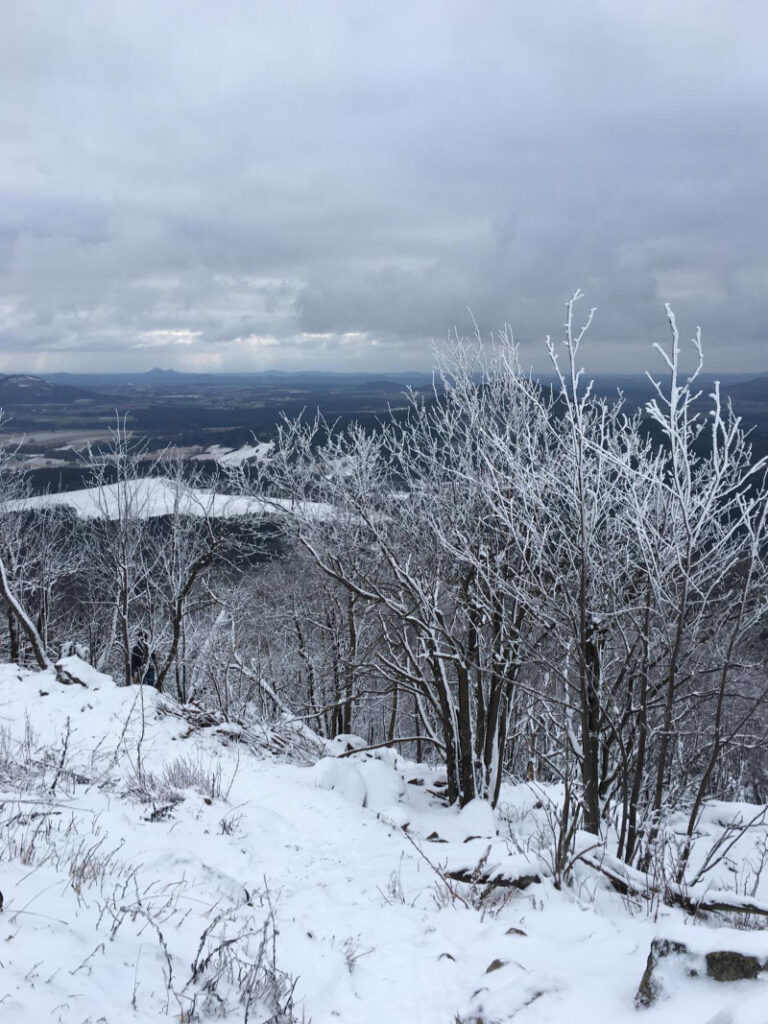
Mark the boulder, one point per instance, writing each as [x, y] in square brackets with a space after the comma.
[731, 966]
[671, 957]
[650, 988]
[73, 671]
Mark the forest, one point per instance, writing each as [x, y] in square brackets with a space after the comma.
[511, 580]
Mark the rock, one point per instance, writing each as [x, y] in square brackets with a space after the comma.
[650, 988]
[668, 956]
[342, 776]
[395, 816]
[345, 743]
[730, 966]
[478, 819]
[230, 729]
[383, 786]
[495, 965]
[74, 671]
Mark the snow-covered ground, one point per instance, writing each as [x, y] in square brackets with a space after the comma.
[153, 871]
[229, 457]
[156, 496]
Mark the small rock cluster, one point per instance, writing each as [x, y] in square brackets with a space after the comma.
[668, 956]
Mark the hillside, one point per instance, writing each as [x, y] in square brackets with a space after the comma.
[20, 389]
[160, 868]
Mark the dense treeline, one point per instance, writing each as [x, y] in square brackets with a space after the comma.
[508, 579]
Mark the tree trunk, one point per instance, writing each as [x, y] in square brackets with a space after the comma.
[26, 623]
[13, 637]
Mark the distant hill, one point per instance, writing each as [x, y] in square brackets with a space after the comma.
[316, 379]
[156, 371]
[750, 391]
[23, 389]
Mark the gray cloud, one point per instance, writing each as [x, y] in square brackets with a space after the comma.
[240, 185]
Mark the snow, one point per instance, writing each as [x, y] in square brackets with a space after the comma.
[478, 818]
[155, 833]
[74, 670]
[149, 497]
[750, 1010]
[230, 457]
[343, 778]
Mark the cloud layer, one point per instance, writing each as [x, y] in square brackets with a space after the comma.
[330, 185]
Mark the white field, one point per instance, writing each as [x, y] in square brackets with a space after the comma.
[156, 496]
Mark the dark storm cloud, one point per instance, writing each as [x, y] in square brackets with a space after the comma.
[332, 184]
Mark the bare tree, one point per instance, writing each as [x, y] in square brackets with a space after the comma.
[14, 489]
[553, 557]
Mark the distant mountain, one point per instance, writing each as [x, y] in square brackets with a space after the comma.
[158, 378]
[753, 390]
[23, 389]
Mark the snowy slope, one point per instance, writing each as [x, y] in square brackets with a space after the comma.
[155, 496]
[140, 860]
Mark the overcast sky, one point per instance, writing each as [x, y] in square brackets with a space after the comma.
[326, 184]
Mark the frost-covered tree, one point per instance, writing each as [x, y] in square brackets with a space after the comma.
[399, 519]
[547, 557]
[15, 541]
[160, 533]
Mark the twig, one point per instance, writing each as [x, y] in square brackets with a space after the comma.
[440, 874]
[63, 758]
[387, 743]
